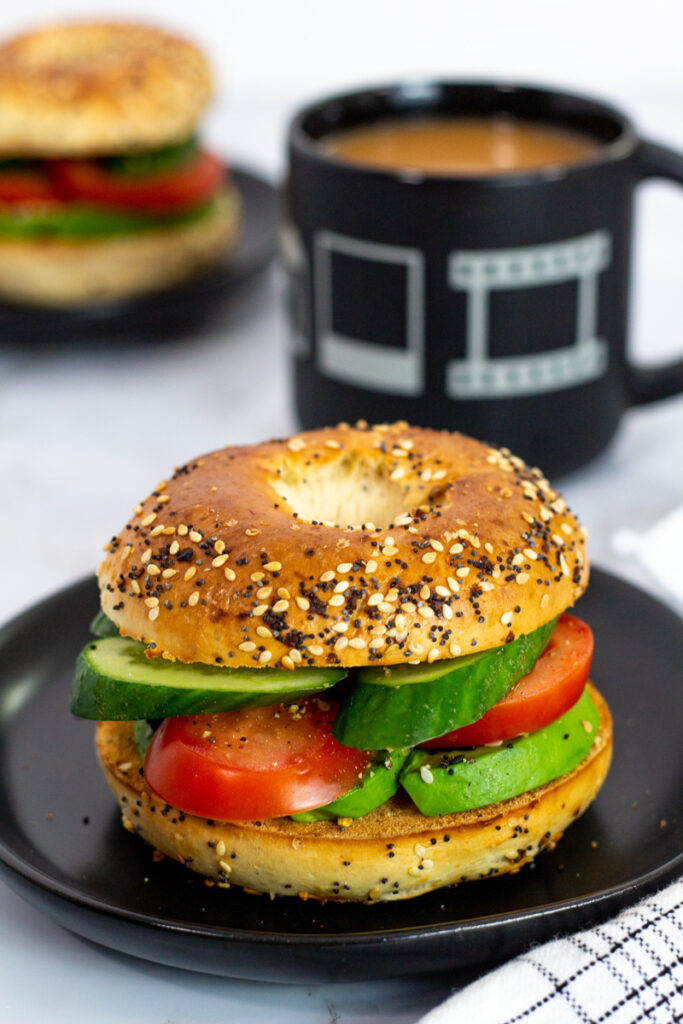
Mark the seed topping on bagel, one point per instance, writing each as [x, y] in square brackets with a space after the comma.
[344, 546]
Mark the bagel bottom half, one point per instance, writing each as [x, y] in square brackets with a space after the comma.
[393, 853]
[64, 273]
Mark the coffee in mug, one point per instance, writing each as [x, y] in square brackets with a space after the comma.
[491, 300]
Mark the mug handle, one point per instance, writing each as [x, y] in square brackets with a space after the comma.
[647, 384]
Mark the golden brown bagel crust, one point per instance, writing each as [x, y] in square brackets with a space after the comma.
[53, 272]
[393, 853]
[98, 87]
[215, 565]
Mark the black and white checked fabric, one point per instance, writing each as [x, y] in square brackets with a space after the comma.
[625, 971]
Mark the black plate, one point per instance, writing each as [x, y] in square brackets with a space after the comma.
[170, 311]
[62, 846]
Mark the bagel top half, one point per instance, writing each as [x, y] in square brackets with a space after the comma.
[344, 546]
[93, 88]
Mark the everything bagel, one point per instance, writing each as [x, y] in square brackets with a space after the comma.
[344, 546]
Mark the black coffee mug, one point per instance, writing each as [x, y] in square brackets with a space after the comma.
[494, 304]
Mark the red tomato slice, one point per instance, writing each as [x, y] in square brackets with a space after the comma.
[253, 764]
[26, 185]
[553, 686]
[190, 184]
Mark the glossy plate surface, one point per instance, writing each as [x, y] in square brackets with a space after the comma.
[62, 846]
[171, 310]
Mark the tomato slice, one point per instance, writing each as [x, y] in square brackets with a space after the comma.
[553, 686]
[26, 185]
[252, 764]
[190, 184]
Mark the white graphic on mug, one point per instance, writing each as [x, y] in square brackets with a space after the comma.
[481, 272]
[396, 370]
[295, 260]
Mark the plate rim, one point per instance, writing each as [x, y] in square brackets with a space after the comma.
[12, 863]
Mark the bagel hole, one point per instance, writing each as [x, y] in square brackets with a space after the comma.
[350, 492]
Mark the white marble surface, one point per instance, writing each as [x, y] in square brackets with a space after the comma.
[85, 432]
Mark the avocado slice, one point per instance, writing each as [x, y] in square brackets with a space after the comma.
[400, 706]
[449, 781]
[379, 783]
[115, 681]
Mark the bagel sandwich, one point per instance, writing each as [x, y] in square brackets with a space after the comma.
[340, 665]
[105, 190]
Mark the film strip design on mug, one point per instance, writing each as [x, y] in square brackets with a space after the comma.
[400, 370]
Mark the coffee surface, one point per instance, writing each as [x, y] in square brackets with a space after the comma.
[461, 145]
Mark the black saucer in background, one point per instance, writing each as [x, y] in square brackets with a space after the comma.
[63, 849]
[170, 311]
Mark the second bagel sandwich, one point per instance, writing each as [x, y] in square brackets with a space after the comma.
[105, 190]
[339, 665]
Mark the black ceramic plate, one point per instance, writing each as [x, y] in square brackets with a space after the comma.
[172, 310]
[62, 846]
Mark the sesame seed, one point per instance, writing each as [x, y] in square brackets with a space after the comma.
[296, 444]
[174, 548]
[189, 573]
[438, 474]
[195, 536]
[327, 576]
[523, 577]
[419, 850]
[264, 657]
[358, 643]
[398, 473]
[429, 557]
[146, 556]
[342, 586]
[229, 574]
[153, 570]
[260, 610]
[193, 598]
[272, 566]
[433, 655]
[426, 775]
[488, 547]
[530, 554]
[287, 662]
[390, 551]
[247, 646]
[280, 606]
[454, 649]
[263, 631]
[375, 599]
[295, 655]
[344, 567]
[455, 549]
[157, 530]
[544, 600]
[563, 566]
[340, 627]
[545, 514]
[371, 565]
[303, 603]
[485, 585]
[341, 643]
[506, 618]
[566, 528]
[219, 547]
[518, 559]
[462, 573]
[453, 584]
[137, 509]
[332, 444]
[336, 601]
[168, 574]
[378, 641]
[153, 614]
[251, 531]
[263, 592]
[148, 520]
[224, 866]
[437, 545]
[183, 529]
[218, 561]
[426, 611]
[151, 602]
[414, 871]
[427, 864]
[406, 444]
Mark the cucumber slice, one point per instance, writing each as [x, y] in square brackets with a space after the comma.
[152, 161]
[401, 706]
[378, 784]
[115, 681]
[464, 780]
[102, 625]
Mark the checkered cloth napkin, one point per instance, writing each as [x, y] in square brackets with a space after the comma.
[626, 971]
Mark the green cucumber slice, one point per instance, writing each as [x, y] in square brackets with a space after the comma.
[102, 625]
[464, 780]
[115, 681]
[378, 784]
[152, 161]
[401, 706]
[83, 221]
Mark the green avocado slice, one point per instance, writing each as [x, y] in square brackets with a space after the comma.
[115, 681]
[401, 706]
[379, 783]
[446, 782]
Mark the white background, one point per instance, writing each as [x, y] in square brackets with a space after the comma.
[84, 434]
